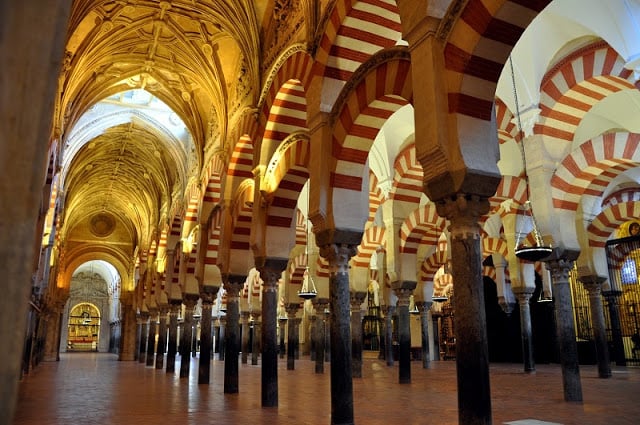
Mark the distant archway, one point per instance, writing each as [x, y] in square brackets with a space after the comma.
[83, 328]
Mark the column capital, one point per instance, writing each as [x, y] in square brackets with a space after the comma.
[357, 298]
[338, 256]
[463, 211]
[233, 284]
[559, 268]
[208, 294]
[423, 306]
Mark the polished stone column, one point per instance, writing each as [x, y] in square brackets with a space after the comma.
[388, 334]
[292, 335]
[613, 306]
[270, 271]
[296, 332]
[436, 336]
[257, 334]
[327, 335]
[282, 349]
[312, 337]
[186, 335]
[565, 328]
[151, 338]
[233, 285]
[356, 300]
[403, 290]
[174, 309]
[128, 339]
[423, 308]
[208, 296]
[162, 336]
[524, 295]
[144, 334]
[222, 337]
[338, 256]
[54, 324]
[472, 352]
[245, 330]
[320, 305]
[593, 285]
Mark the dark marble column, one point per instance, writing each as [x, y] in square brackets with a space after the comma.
[593, 284]
[138, 338]
[524, 295]
[338, 256]
[292, 336]
[327, 335]
[222, 337]
[208, 296]
[162, 336]
[296, 330]
[565, 329]
[282, 349]
[356, 300]
[233, 285]
[403, 290]
[270, 271]
[151, 339]
[388, 334]
[257, 335]
[320, 305]
[423, 308]
[144, 334]
[174, 309]
[187, 334]
[472, 352]
[436, 336]
[245, 330]
[613, 306]
[312, 337]
[128, 337]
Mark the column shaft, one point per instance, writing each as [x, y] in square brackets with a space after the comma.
[357, 298]
[565, 329]
[232, 334]
[424, 307]
[206, 340]
[162, 339]
[599, 328]
[173, 336]
[270, 274]
[525, 330]
[246, 330]
[185, 338]
[151, 339]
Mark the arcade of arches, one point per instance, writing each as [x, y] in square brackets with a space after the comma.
[186, 168]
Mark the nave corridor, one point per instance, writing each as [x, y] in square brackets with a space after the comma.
[91, 388]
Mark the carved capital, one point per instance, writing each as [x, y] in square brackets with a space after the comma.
[463, 211]
[559, 269]
[233, 284]
[356, 298]
[338, 256]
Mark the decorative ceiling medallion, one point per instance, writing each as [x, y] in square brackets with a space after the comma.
[102, 225]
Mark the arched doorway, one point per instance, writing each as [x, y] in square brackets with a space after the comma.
[83, 328]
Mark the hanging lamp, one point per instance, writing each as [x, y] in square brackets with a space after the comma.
[538, 251]
[308, 290]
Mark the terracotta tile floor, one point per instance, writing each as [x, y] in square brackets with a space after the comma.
[97, 389]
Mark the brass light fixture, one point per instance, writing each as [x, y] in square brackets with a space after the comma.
[538, 251]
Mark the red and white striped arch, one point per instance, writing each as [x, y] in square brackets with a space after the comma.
[376, 96]
[605, 223]
[297, 267]
[510, 187]
[288, 115]
[241, 164]
[431, 264]
[478, 46]
[630, 194]
[572, 87]
[422, 226]
[589, 169]
[372, 239]
[242, 212]
[376, 197]
[191, 215]
[507, 129]
[490, 272]
[176, 230]
[494, 246]
[407, 179]
[213, 185]
[288, 172]
[356, 30]
[296, 67]
[213, 244]
[322, 267]
[162, 245]
[301, 228]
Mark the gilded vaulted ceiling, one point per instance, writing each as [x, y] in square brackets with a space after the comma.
[125, 165]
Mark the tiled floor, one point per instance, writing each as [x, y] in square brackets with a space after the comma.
[97, 389]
